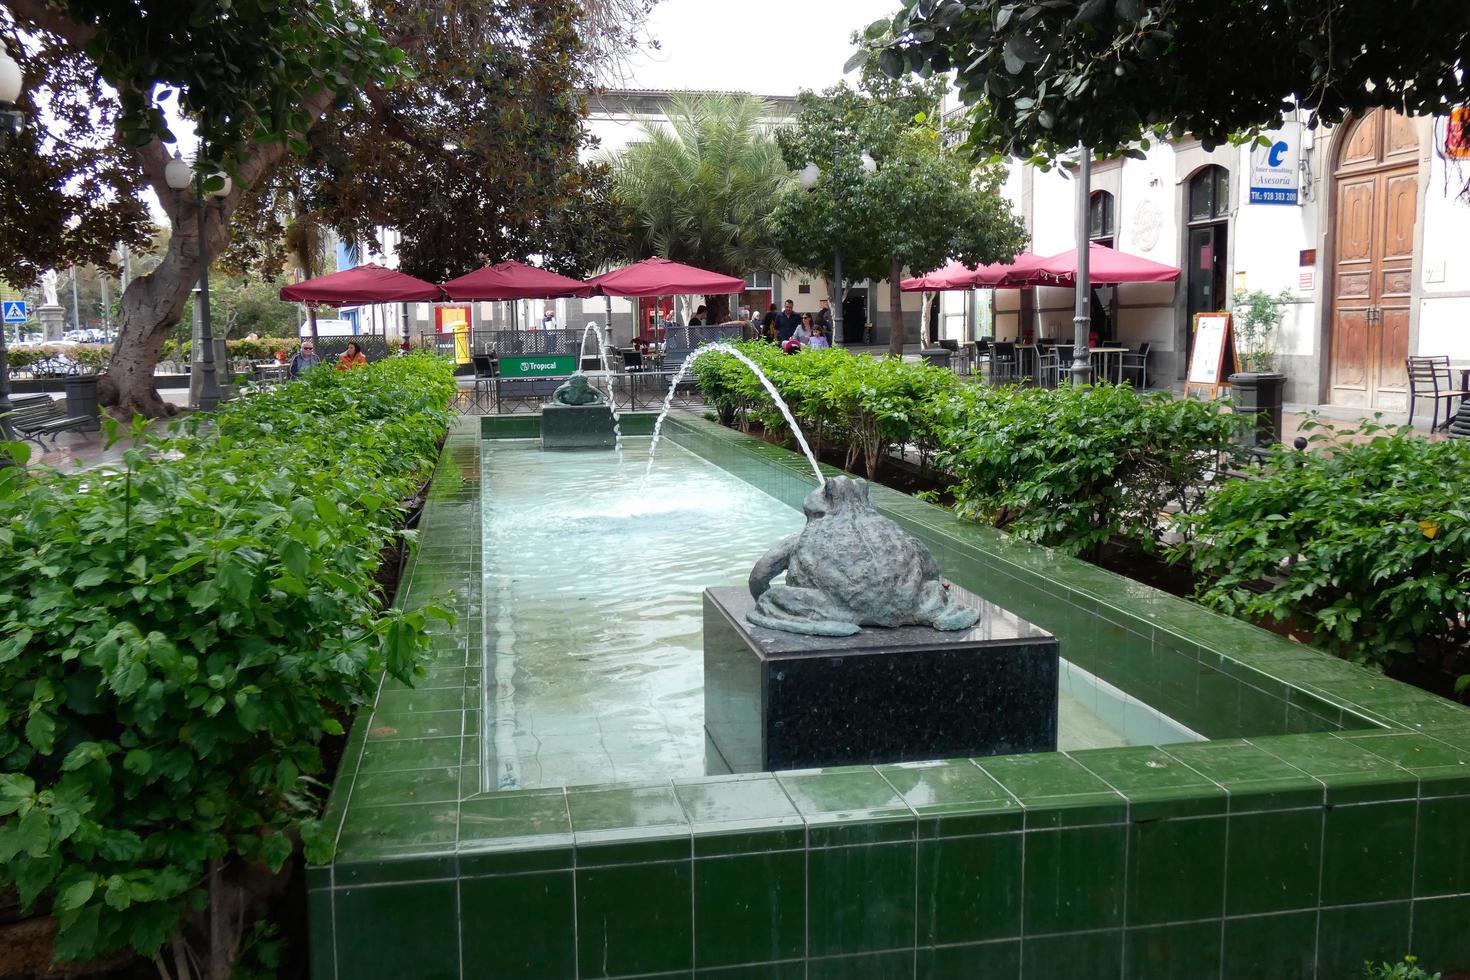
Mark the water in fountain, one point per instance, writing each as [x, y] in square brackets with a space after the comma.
[760, 376]
[612, 402]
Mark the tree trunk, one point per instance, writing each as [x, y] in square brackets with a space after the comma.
[895, 306]
[311, 321]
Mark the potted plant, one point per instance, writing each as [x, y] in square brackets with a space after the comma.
[1255, 318]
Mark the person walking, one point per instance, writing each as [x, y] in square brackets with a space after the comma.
[786, 322]
[768, 324]
[303, 360]
[824, 316]
[803, 332]
[697, 320]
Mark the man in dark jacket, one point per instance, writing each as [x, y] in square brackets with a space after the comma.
[697, 320]
[303, 360]
[786, 322]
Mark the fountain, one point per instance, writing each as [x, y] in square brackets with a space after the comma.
[579, 416]
[864, 654]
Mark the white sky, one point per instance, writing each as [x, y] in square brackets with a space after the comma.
[770, 47]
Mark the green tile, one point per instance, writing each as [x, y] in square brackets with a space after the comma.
[410, 786]
[1176, 952]
[789, 970]
[862, 899]
[520, 927]
[992, 961]
[1281, 947]
[878, 966]
[387, 829]
[1043, 776]
[1275, 861]
[1411, 750]
[634, 919]
[411, 753]
[1367, 853]
[1440, 938]
[514, 814]
[954, 798]
[856, 791]
[1323, 755]
[435, 699]
[1074, 879]
[1076, 956]
[733, 799]
[321, 947]
[398, 931]
[969, 889]
[1157, 892]
[1442, 862]
[750, 908]
[1349, 937]
[1148, 775]
[628, 824]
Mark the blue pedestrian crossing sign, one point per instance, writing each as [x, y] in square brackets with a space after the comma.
[14, 310]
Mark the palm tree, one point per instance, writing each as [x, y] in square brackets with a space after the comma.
[701, 189]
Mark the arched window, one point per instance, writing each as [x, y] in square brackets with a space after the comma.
[1209, 195]
[1101, 225]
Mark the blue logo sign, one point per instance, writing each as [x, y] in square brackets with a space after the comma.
[1278, 150]
[14, 310]
[1273, 169]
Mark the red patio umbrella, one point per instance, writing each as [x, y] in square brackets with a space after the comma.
[661, 277]
[512, 280]
[363, 285]
[1107, 267]
[1019, 271]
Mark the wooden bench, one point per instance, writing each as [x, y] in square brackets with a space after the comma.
[40, 415]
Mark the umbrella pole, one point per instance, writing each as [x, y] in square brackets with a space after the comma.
[1082, 311]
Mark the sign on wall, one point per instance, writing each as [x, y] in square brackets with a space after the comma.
[1273, 170]
[1457, 134]
[537, 365]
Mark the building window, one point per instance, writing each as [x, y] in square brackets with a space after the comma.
[1100, 221]
[758, 280]
[1209, 194]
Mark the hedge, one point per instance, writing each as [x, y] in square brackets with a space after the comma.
[178, 636]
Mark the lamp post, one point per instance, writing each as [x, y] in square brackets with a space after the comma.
[179, 175]
[808, 178]
[1082, 312]
[11, 122]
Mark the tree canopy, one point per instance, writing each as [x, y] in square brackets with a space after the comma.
[1045, 76]
[919, 208]
[700, 190]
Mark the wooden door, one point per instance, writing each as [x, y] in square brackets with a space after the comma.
[1377, 207]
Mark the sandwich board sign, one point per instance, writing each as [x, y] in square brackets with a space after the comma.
[14, 311]
[1213, 357]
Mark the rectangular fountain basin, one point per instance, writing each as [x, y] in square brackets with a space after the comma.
[775, 700]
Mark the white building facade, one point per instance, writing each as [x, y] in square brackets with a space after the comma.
[1372, 253]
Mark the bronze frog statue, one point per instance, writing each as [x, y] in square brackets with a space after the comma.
[851, 567]
[577, 391]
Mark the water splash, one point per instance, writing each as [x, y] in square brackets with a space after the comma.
[612, 401]
[765, 383]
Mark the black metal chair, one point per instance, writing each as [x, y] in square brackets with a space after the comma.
[1048, 365]
[632, 361]
[1138, 362]
[1429, 377]
[1003, 362]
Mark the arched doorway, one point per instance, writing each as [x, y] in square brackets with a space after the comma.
[1375, 209]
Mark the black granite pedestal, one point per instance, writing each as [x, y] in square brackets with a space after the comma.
[776, 700]
[576, 427]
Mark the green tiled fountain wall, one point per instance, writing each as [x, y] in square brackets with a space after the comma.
[1270, 855]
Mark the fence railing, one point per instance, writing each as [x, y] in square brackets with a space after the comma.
[569, 341]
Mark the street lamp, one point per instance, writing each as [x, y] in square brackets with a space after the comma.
[807, 178]
[11, 122]
[179, 175]
[1082, 310]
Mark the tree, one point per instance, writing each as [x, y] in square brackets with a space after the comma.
[1045, 76]
[700, 190]
[920, 207]
[478, 148]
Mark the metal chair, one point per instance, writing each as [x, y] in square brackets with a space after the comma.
[1003, 362]
[632, 361]
[1138, 362]
[1048, 366]
[1429, 377]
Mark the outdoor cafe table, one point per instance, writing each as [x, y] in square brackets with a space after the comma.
[1101, 357]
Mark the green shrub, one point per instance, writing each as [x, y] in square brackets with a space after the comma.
[1367, 545]
[1409, 969]
[1076, 467]
[176, 638]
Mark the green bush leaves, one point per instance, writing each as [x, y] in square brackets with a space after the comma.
[177, 636]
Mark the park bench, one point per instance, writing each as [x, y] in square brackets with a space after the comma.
[40, 415]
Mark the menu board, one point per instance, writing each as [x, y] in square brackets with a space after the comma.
[1213, 342]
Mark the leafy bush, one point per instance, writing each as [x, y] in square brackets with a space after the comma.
[1076, 467]
[1409, 969]
[176, 638]
[263, 349]
[1367, 545]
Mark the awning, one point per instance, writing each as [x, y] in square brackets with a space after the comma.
[512, 280]
[661, 277]
[363, 285]
[1105, 267]
[1019, 271]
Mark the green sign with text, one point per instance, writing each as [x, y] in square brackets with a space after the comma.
[537, 365]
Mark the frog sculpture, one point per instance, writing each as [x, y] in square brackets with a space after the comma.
[851, 567]
[576, 391]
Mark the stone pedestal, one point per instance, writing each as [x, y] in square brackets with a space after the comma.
[53, 321]
[776, 700]
[577, 427]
